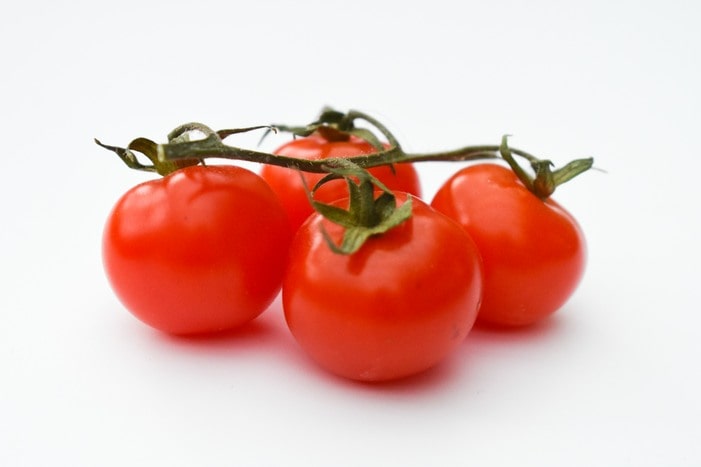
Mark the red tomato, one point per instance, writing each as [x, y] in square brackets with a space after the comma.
[533, 251]
[287, 183]
[396, 307]
[200, 250]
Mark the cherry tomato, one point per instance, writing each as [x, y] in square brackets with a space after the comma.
[533, 251]
[287, 183]
[200, 250]
[399, 305]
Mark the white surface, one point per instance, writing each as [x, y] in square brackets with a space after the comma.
[612, 380]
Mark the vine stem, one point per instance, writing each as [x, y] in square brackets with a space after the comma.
[212, 147]
[181, 152]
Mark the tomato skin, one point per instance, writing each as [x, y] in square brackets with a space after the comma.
[533, 251]
[200, 250]
[287, 183]
[396, 307]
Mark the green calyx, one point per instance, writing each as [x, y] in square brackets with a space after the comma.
[338, 126]
[545, 178]
[149, 149]
[160, 162]
[368, 214]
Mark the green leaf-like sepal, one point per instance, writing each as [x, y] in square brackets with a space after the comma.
[180, 142]
[338, 126]
[367, 215]
[151, 151]
[546, 180]
[335, 214]
[572, 169]
[369, 137]
[355, 236]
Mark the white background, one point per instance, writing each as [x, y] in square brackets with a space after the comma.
[613, 379]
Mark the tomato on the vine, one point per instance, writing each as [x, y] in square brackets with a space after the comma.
[288, 185]
[397, 306]
[533, 250]
[200, 250]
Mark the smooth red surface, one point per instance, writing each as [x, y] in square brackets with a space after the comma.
[396, 307]
[288, 185]
[533, 251]
[200, 250]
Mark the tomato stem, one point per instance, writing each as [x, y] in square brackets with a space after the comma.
[181, 151]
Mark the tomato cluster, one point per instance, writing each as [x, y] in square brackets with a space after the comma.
[207, 248]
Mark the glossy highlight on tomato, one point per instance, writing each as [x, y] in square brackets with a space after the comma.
[200, 250]
[533, 251]
[288, 185]
[398, 306]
